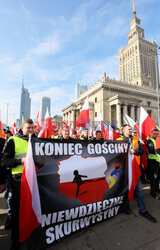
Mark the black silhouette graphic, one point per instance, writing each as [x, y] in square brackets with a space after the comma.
[78, 180]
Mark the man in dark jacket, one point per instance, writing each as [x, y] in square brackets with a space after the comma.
[14, 158]
[153, 164]
[127, 136]
[98, 136]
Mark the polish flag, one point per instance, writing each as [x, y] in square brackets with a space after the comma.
[13, 129]
[2, 134]
[101, 126]
[47, 128]
[145, 127]
[132, 123]
[146, 124]
[30, 207]
[83, 118]
[134, 173]
[39, 121]
[110, 133]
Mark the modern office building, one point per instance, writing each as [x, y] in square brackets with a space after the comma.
[138, 84]
[25, 107]
[80, 89]
[45, 104]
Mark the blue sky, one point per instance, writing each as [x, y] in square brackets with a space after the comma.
[53, 44]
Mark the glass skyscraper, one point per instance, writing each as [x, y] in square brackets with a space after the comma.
[25, 107]
[44, 104]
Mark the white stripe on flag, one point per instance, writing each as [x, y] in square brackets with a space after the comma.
[32, 182]
[130, 159]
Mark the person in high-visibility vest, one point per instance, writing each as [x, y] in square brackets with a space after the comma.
[84, 135]
[137, 150]
[153, 160]
[13, 157]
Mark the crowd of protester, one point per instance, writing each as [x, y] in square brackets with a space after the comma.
[12, 156]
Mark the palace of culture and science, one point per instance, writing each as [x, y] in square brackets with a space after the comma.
[138, 85]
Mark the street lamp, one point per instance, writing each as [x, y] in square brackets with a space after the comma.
[155, 53]
[157, 81]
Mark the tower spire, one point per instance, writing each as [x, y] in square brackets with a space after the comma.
[22, 83]
[134, 9]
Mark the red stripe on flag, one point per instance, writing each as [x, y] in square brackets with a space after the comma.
[83, 119]
[2, 135]
[135, 175]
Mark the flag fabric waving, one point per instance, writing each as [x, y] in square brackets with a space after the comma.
[110, 133]
[131, 122]
[83, 118]
[30, 200]
[134, 174]
[146, 124]
[2, 134]
[13, 129]
[39, 121]
[101, 126]
[47, 128]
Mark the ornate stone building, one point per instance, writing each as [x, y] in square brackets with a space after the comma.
[139, 79]
[138, 61]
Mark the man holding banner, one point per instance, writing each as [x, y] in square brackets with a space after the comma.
[13, 157]
[135, 152]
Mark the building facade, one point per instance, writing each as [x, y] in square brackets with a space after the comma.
[138, 61]
[138, 85]
[45, 104]
[25, 107]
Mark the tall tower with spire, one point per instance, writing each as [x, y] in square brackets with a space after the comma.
[25, 106]
[138, 62]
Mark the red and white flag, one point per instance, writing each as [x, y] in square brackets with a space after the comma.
[110, 133]
[101, 126]
[13, 129]
[39, 121]
[134, 173]
[2, 134]
[47, 129]
[132, 123]
[146, 124]
[30, 207]
[83, 118]
[145, 128]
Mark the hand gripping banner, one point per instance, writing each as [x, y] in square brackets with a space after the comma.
[80, 183]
